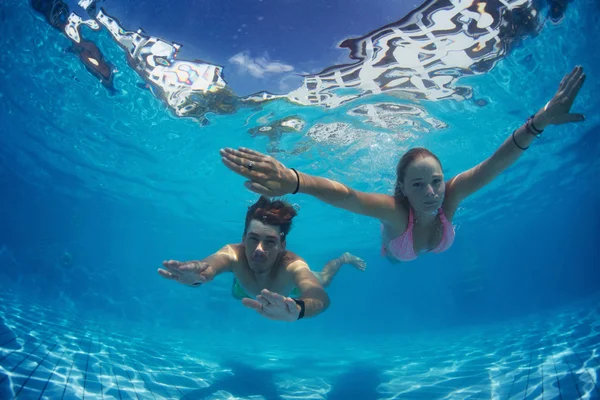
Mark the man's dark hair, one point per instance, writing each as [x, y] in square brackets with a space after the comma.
[271, 212]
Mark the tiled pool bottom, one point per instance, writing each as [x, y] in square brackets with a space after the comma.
[554, 356]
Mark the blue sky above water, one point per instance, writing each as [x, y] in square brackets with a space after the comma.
[263, 44]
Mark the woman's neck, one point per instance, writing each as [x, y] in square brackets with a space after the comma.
[424, 218]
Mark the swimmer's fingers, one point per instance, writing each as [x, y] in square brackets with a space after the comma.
[268, 307]
[291, 305]
[250, 151]
[171, 264]
[567, 97]
[196, 267]
[250, 162]
[262, 301]
[187, 273]
[253, 304]
[562, 84]
[253, 153]
[285, 312]
[167, 274]
[573, 90]
[566, 79]
[273, 298]
[256, 306]
[572, 80]
[557, 111]
[268, 176]
[570, 118]
[258, 188]
[254, 163]
[247, 154]
[240, 167]
[175, 269]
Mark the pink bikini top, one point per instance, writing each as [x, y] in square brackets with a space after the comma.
[402, 247]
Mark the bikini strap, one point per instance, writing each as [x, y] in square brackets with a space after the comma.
[443, 218]
[410, 217]
[442, 215]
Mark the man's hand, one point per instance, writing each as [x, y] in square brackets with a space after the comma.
[191, 273]
[274, 306]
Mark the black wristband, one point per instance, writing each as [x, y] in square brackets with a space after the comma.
[302, 307]
[298, 183]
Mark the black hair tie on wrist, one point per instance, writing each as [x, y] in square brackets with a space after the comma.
[298, 183]
[517, 144]
[530, 127]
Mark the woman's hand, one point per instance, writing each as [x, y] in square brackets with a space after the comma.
[266, 175]
[557, 111]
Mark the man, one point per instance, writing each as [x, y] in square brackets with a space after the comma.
[264, 269]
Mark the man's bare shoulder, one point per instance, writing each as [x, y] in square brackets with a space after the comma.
[233, 247]
[291, 261]
[233, 252]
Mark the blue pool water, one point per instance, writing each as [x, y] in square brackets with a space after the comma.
[100, 182]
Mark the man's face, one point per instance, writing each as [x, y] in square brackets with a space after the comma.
[263, 244]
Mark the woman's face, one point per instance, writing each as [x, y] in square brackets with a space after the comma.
[424, 184]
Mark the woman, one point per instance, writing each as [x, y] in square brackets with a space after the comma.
[418, 217]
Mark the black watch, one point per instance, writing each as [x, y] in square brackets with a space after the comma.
[302, 307]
